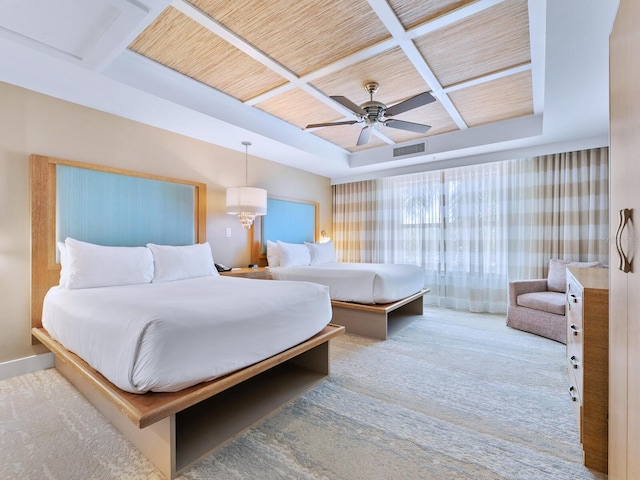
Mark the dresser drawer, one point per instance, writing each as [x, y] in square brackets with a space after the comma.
[574, 308]
[575, 366]
[576, 400]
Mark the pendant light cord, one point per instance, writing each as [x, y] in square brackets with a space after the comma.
[246, 162]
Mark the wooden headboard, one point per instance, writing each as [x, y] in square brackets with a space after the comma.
[287, 220]
[98, 190]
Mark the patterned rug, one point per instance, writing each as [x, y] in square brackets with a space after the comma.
[450, 395]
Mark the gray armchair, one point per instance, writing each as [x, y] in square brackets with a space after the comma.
[538, 306]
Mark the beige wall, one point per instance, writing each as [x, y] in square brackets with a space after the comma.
[35, 123]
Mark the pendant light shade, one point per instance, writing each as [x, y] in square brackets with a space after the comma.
[246, 202]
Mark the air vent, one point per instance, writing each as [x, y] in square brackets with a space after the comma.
[409, 150]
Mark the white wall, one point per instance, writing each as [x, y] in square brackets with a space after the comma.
[35, 123]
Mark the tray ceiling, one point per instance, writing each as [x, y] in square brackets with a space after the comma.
[475, 61]
[226, 71]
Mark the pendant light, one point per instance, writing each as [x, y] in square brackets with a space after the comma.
[246, 202]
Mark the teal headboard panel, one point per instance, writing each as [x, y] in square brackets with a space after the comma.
[120, 210]
[288, 221]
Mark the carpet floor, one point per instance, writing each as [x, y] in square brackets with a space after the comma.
[450, 395]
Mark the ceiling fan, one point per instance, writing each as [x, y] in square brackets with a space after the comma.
[373, 113]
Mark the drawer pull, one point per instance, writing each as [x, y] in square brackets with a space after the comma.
[574, 299]
[573, 328]
[572, 390]
[574, 361]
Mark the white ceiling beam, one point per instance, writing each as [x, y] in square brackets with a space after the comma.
[345, 62]
[223, 32]
[398, 39]
[154, 8]
[537, 43]
[395, 27]
[487, 78]
[451, 17]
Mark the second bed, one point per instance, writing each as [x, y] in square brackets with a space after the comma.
[362, 294]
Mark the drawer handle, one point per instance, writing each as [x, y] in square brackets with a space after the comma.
[573, 328]
[574, 299]
[574, 397]
[574, 361]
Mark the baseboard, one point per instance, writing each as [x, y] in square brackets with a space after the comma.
[13, 368]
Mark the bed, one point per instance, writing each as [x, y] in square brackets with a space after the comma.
[364, 296]
[142, 367]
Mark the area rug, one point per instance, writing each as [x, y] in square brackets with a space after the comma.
[450, 395]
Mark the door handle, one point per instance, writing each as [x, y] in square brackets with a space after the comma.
[625, 217]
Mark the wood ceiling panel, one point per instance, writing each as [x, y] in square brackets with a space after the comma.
[502, 99]
[396, 75]
[492, 40]
[412, 13]
[176, 41]
[301, 35]
[299, 108]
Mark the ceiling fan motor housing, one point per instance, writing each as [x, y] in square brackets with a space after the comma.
[375, 111]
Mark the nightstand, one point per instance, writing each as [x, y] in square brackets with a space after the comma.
[260, 273]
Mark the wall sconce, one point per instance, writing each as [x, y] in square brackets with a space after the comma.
[324, 238]
[246, 202]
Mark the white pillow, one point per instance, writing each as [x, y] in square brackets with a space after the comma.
[273, 254]
[293, 254]
[87, 265]
[64, 262]
[322, 252]
[180, 262]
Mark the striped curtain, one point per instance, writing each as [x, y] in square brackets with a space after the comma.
[355, 221]
[474, 228]
[563, 211]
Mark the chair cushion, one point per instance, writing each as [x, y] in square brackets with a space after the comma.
[557, 277]
[550, 302]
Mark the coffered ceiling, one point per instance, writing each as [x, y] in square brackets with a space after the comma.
[226, 71]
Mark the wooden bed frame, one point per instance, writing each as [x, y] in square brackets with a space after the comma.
[360, 319]
[173, 430]
[373, 320]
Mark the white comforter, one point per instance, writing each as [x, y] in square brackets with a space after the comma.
[366, 283]
[168, 336]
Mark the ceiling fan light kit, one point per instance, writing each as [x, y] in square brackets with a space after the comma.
[374, 113]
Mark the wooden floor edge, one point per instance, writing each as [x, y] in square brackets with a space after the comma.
[383, 307]
[145, 409]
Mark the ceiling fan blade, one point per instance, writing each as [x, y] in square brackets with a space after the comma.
[365, 135]
[410, 103]
[347, 122]
[410, 126]
[345, 102]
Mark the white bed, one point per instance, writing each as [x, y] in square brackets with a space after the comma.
[165, 337]
[365, 283]
[363, 295]
[156, 317]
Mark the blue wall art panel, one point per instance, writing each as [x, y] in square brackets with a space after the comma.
[288, 221]
[120, 210]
